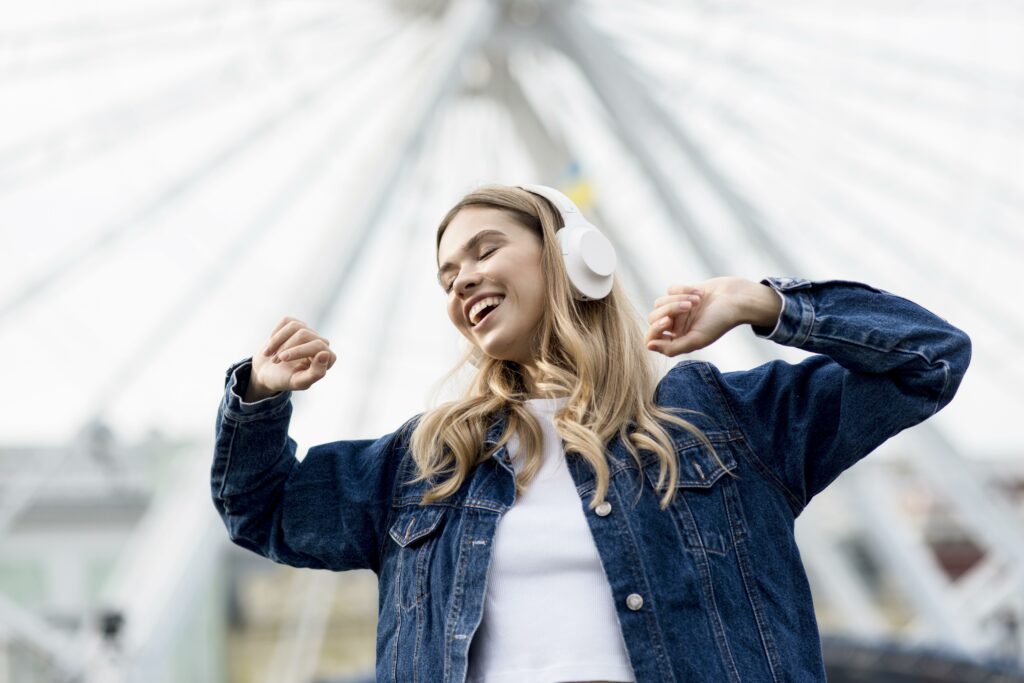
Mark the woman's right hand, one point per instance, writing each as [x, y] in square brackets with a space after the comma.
[293, 359]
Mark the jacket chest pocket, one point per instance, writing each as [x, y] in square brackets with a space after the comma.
[705, 506]
[416, 531]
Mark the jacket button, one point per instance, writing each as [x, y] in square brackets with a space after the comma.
[635, 601]
[603, 509]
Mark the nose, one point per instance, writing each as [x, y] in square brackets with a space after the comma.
[465, 282]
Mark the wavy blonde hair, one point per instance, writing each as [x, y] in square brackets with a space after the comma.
[591, 351]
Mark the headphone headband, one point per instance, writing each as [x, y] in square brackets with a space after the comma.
[571, 215]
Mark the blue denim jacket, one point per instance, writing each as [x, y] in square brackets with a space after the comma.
[710, 589]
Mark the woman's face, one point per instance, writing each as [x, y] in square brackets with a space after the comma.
[503, 259]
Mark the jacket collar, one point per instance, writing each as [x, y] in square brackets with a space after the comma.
[581, 472]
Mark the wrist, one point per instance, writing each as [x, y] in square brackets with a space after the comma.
[759, 305]
[254, 391]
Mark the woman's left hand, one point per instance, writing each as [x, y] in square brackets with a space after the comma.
[692, 317]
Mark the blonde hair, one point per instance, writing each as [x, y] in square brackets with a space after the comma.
[591, 351]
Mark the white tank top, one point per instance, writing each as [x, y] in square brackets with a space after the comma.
[549, 615]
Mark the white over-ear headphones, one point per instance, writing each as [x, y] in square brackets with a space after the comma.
[589, 256]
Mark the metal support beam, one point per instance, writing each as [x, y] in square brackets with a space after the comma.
[841, 585]
[910, 561]
[629, 116]
[22, 625]
[467, 25]
[160, 572]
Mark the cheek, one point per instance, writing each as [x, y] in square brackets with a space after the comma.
[534, 301]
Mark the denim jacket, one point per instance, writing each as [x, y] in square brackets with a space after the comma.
[710, 589]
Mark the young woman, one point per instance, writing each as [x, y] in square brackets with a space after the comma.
[562, 520]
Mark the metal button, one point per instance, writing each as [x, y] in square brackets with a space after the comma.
[635, 601]
[603, 509]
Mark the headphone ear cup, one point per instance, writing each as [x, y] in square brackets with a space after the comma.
[589, 259]
[588, 254]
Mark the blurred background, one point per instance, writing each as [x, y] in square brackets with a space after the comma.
[176, 175]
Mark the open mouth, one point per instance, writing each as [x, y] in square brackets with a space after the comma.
[486, 315]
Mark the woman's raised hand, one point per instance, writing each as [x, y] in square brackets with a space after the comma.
[693, 316]
[293, 359]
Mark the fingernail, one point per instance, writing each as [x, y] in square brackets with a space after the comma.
[685, 304]
[663, 321]
[322, 361]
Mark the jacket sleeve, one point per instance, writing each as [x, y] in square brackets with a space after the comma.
[882, 364]
[328, 511]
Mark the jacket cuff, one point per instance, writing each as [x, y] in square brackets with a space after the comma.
[797, 315]
[236, 382]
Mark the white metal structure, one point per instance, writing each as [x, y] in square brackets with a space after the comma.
[174, 177]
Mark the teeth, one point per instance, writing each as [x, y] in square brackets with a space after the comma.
[482, 304]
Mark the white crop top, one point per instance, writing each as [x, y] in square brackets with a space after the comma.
[549, 615]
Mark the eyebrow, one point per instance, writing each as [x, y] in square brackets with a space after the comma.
[470, 243]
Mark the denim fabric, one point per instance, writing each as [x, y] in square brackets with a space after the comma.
[710, 589]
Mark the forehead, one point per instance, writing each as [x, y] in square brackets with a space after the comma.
[472, 220]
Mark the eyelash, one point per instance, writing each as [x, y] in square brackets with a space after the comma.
[484, 255]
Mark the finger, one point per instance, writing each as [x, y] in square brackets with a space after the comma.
[688, 296]
[673, 326]
[684, 289]
[324, 357]
[673, 347]
[672, 323]
[685, 324]
[678, 292]
[307, 349]
[292, 334]
[661, 346]
[659, 326]
[300, 338]
[285, 328]
[284, 321]
[316, 370]
[673, 308]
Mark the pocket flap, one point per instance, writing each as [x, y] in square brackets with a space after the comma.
[415, 522]
[698, 468]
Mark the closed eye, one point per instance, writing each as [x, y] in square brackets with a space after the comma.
[482, 257]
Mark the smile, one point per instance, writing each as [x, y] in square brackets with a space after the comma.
[487, 317]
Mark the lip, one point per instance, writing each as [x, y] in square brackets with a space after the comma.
[468, 306]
